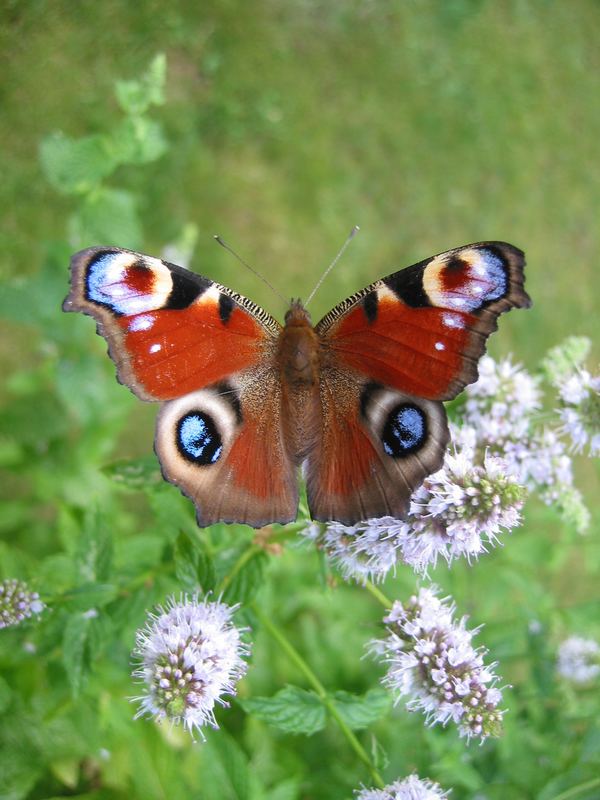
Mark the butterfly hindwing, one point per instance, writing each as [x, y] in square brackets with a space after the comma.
[223, 447]
[423, 329]
[169, 331]
[377, 446]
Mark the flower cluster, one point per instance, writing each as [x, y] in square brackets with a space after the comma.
[411, 788]
[462, 508]
[579, 659]
[17, 602]
[432, 662]
[458, 511]
[191, 654]
[367, 551]
[580, 411]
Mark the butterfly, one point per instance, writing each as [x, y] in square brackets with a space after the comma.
[356, 400]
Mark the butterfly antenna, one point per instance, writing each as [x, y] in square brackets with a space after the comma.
[254, 272]
[351, 236]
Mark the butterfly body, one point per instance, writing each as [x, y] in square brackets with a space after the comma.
[355, 400]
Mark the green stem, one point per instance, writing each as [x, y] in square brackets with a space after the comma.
[378, 594]
[320, 690]
[246, 556]
[576, 790]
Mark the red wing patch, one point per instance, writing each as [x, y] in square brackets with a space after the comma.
[169, 331]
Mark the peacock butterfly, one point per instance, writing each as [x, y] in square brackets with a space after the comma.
[357, 399]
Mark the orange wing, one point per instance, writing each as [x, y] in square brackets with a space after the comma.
[169, 331]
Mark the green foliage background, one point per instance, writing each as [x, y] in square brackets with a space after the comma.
[429, 124]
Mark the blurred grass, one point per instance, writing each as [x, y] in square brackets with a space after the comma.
[430, 125]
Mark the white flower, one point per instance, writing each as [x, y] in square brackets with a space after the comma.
[17, 602]
[191, 654]
[579, 659]
[432, 662]
[501, 403]
[580, 414]
[461, 509]
[411, 788]
[366, 551]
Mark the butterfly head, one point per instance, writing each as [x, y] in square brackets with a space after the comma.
[297, 315]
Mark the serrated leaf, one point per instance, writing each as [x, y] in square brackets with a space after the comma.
[135, 97]
[93, 556]
[135, 473]
[75, 166]
[360, 711]
[235, 780]
[137, 140]
[91, 595]
[74, 650]
[194, 566]
[292, 710]
[246, 579]
[107, 215]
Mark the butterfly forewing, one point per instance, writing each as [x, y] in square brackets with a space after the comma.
[423, 329]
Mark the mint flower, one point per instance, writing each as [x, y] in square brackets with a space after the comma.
[501, 403]
[580, 412]
[579, 659]
[17, 602]
[191, 654]
[366, 551]
[432, 662]
[461, 509]
[568, 356]
[411, 788]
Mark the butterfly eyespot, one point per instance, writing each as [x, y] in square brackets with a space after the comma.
[198, 439]
[404, 431]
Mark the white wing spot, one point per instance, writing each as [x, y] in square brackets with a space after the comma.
[476, 289]
[453, 321]
[440, 346]
[143, 322]
[155, 348]
[458, 301]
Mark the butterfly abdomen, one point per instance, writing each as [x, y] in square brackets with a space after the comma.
[299, 365]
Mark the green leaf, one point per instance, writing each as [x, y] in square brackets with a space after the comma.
[93, 557]
[135, 97]
[91, 595]
[194, 566]
[5, 693]
[76, 166]
[74, 650]
[230, 769]
[360, 711]
[292, 710]
[246, 576]
[110, 216]
[135, 473]
[137, 140]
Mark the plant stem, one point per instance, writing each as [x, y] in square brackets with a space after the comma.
[576, 790]
[320, 690]
[378, 594]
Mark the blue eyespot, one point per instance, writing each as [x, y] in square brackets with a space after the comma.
[405, 430]
[198, 438]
